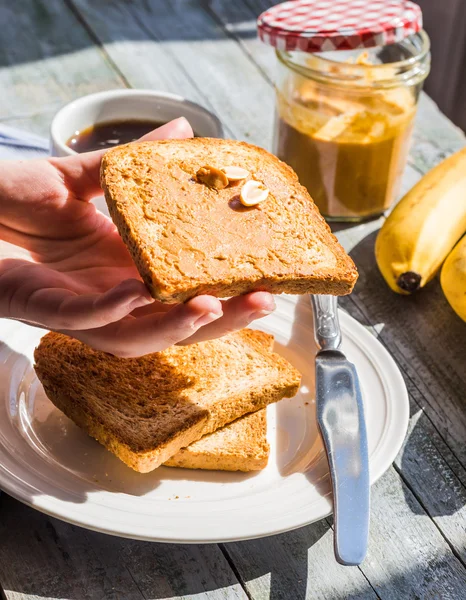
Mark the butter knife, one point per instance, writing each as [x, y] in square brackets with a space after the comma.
[340, 415]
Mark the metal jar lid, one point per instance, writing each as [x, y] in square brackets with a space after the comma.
[327, 25]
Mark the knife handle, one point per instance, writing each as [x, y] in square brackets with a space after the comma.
[327, 331]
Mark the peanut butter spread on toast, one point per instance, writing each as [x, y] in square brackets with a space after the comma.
[188, 237]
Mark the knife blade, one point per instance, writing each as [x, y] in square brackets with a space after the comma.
[340, 415]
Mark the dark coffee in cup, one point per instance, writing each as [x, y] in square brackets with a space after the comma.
[110, 133]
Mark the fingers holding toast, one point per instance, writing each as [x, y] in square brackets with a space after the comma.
[238, 313]
[137, 336]
[202, 318]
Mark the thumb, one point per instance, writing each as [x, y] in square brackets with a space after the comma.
[176, 129]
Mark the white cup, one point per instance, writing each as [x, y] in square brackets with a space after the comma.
[116, 105]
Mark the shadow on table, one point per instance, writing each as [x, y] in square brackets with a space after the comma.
[44, 558]
[55, 30]
[428, 340]
[281, 568]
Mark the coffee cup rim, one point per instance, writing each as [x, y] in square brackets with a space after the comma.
[61, 115]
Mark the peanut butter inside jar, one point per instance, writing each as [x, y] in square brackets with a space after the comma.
[345, 125]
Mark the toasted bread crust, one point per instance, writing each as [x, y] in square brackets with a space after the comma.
[239, 446]
[145, 410]
[187, 239]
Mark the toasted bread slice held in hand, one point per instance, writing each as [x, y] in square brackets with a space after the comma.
[146, 409]
[189, 233]
[239, 446]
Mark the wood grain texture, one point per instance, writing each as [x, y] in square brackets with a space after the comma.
[130, 33]
[38, 123]
[42, 558]
[434, 475]
[408, 557]
[47, 58]
[239, 21]
[297, 566]
[429, 469]
[180, 47]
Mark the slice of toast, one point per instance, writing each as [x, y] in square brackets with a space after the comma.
[239, 446]
[187, 238]
[146, 409]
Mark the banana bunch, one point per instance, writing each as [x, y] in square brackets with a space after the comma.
[422, 232]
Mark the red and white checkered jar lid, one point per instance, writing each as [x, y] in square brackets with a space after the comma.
[325, 25]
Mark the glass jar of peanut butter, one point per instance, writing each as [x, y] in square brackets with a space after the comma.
[344, 116]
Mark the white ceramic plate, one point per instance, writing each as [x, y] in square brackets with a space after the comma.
[50, 464]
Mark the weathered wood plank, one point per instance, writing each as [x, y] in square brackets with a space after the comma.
[127, 34]
[433, 131]
[408, 557]
[38, 123]
[438, 484]
[239, 20]
[43, 559]
[47, 58]
[298, 565]
[179, 47]
[427, 465]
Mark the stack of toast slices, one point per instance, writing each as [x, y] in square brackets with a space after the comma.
[198, 406]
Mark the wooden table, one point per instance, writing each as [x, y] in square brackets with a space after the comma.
[54, 50]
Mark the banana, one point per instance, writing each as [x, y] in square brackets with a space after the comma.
[424, 226]
[453, 278]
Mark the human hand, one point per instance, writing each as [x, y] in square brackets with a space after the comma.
[63, 265]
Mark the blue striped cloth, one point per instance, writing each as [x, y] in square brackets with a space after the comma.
[19, 144]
